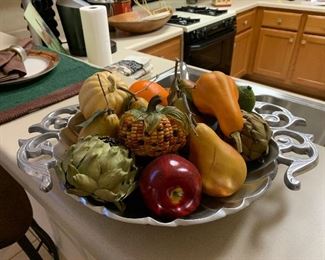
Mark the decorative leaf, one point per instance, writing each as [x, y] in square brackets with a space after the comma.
[84, 183]
[152, 121]
[179, 116]
[106, 195]
[92, 118]
[112, 179]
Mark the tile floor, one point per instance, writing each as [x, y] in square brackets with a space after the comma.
[14, 252]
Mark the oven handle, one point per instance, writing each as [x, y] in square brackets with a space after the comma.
[219, 38]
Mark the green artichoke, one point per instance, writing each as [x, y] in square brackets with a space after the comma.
[93, 167]
[255, 136]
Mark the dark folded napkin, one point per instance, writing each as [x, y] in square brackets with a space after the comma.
[11, 64]
[62, 82]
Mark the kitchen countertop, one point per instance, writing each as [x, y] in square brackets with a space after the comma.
[138, 42]
[283, 224]
[277, 226]
[243, 5]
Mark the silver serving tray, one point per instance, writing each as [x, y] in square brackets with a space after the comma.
[38, 157]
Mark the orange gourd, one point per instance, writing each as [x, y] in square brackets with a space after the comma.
[148, 89]
[216, 94]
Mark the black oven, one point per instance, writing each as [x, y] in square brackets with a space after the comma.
[211, 47]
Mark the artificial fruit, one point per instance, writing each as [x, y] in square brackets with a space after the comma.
[148, 89]
[99, 168]
[222, 168]
[154, 131]
[217, 95]
[255, 136]
[103, 90]
[171, 186]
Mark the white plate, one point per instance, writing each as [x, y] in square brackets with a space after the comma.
[37, 63]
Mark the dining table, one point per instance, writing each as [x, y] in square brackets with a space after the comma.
[282, 224]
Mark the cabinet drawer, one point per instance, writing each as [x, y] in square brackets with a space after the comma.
[245, 21]
[315, 24]
[281, 20]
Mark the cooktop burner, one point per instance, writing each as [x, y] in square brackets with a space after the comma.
[175, 19]
[201, 10]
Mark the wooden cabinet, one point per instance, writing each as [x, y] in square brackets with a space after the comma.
[241, 53]
[274, 52]
[242, 44]
[308, 71]
[245, 21]
[315, 25]
[281, 20]
[290, 51]
[169, 49]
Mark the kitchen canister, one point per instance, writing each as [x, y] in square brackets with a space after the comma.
[71, 22]
[120, 7]
[96, 34]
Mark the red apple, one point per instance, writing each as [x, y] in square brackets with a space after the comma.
[171, 186]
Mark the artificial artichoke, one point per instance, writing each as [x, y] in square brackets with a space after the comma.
[93, 167]
[255, 136]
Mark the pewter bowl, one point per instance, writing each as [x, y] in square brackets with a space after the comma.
[38, 157]
[258, 181]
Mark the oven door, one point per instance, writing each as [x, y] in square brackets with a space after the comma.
[212, 54]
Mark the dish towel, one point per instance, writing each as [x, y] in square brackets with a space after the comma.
[133, 66]
[11, 64]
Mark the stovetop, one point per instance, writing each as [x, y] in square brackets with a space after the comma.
[201, 10]
[192, 21]
[180, 20]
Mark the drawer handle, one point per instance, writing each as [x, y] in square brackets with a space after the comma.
[245, 22]
[291, 40]
[279, 21]
[303, 42]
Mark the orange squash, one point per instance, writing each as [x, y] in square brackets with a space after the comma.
[216, 94]
[148, 89]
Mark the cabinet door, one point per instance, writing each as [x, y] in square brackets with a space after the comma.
[170, 49]
[241, 53]
[309, 69]
[274, 52]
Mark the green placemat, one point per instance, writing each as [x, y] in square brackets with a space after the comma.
[62, 82]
